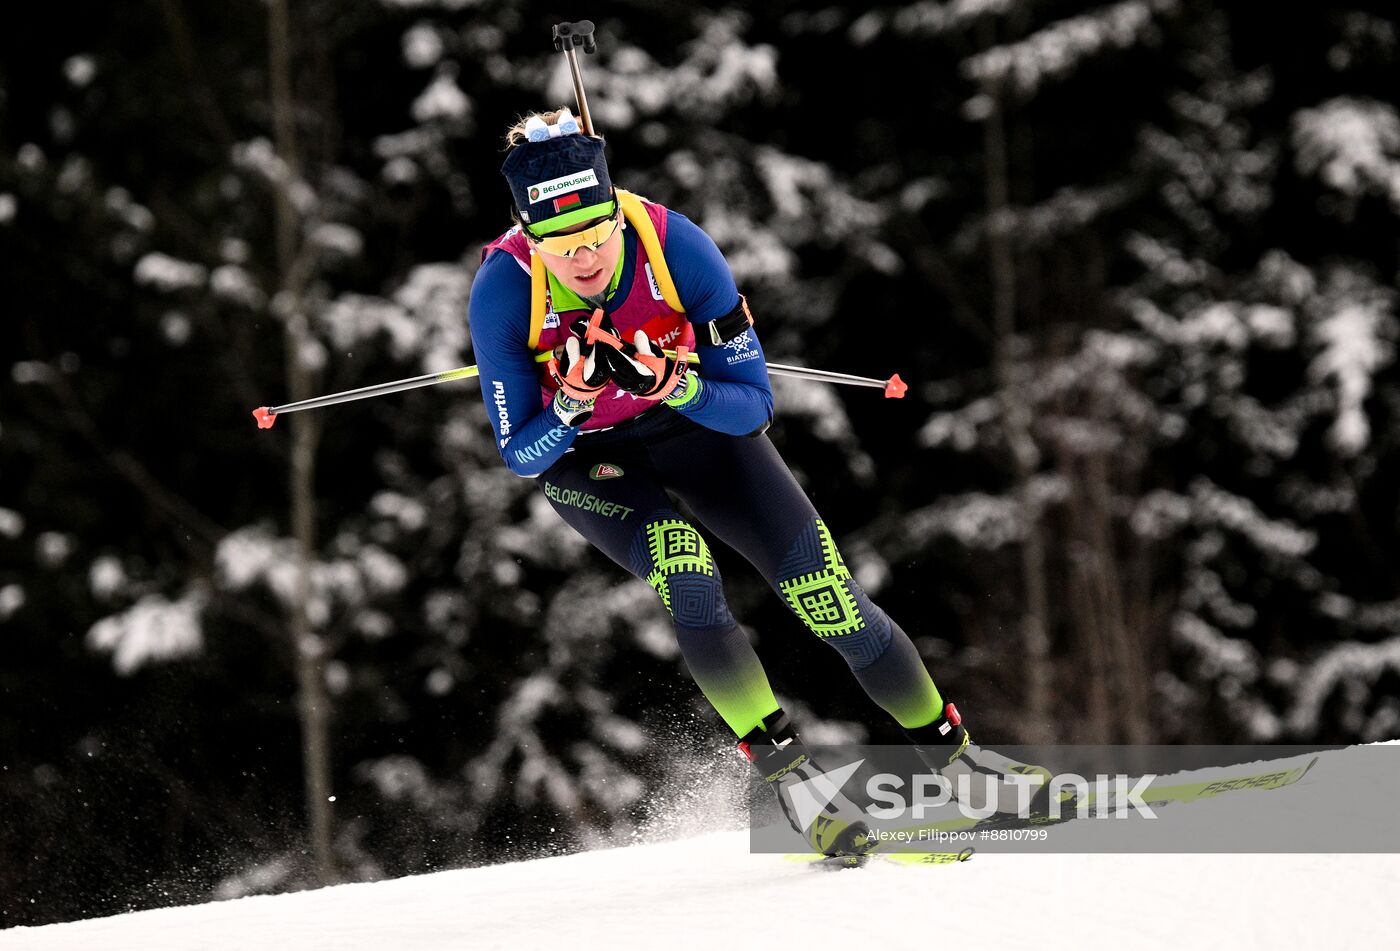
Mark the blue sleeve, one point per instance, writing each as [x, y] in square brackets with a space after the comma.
[734, 396]
[530, 438]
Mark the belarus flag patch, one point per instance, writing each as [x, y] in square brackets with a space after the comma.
[564, 201]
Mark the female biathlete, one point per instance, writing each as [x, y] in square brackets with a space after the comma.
[613, 427]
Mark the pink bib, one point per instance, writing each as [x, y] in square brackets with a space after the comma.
[641, 308]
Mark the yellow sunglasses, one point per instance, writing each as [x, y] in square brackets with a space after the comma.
[565, 245]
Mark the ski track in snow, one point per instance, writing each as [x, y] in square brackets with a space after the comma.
[710, 892]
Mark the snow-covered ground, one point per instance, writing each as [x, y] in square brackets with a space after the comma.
[710, 892]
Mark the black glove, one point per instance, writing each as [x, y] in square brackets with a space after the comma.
[578, 373]
[639, 367]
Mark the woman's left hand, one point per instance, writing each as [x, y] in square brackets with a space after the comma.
[640, 367]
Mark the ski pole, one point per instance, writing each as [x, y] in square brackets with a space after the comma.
[894, 387]
[266, 416]
[567, 37]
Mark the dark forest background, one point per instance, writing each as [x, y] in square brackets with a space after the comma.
[1137, 261]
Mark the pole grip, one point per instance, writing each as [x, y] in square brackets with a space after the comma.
[567, 36]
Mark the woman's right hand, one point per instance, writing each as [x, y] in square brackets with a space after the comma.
[576, 369]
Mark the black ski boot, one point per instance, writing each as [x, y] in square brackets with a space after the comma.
[946, 748]
[777, 752]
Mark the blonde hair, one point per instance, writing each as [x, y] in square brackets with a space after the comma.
[515, 135]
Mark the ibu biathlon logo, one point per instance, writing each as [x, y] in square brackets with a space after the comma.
[603, 471]
[739, 348]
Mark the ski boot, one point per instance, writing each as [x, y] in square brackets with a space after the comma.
[946, 748]
[838, 829]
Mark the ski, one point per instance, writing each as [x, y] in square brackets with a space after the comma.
[835, 862]
[1161, 792]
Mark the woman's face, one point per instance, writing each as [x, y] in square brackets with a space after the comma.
[586, 272]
